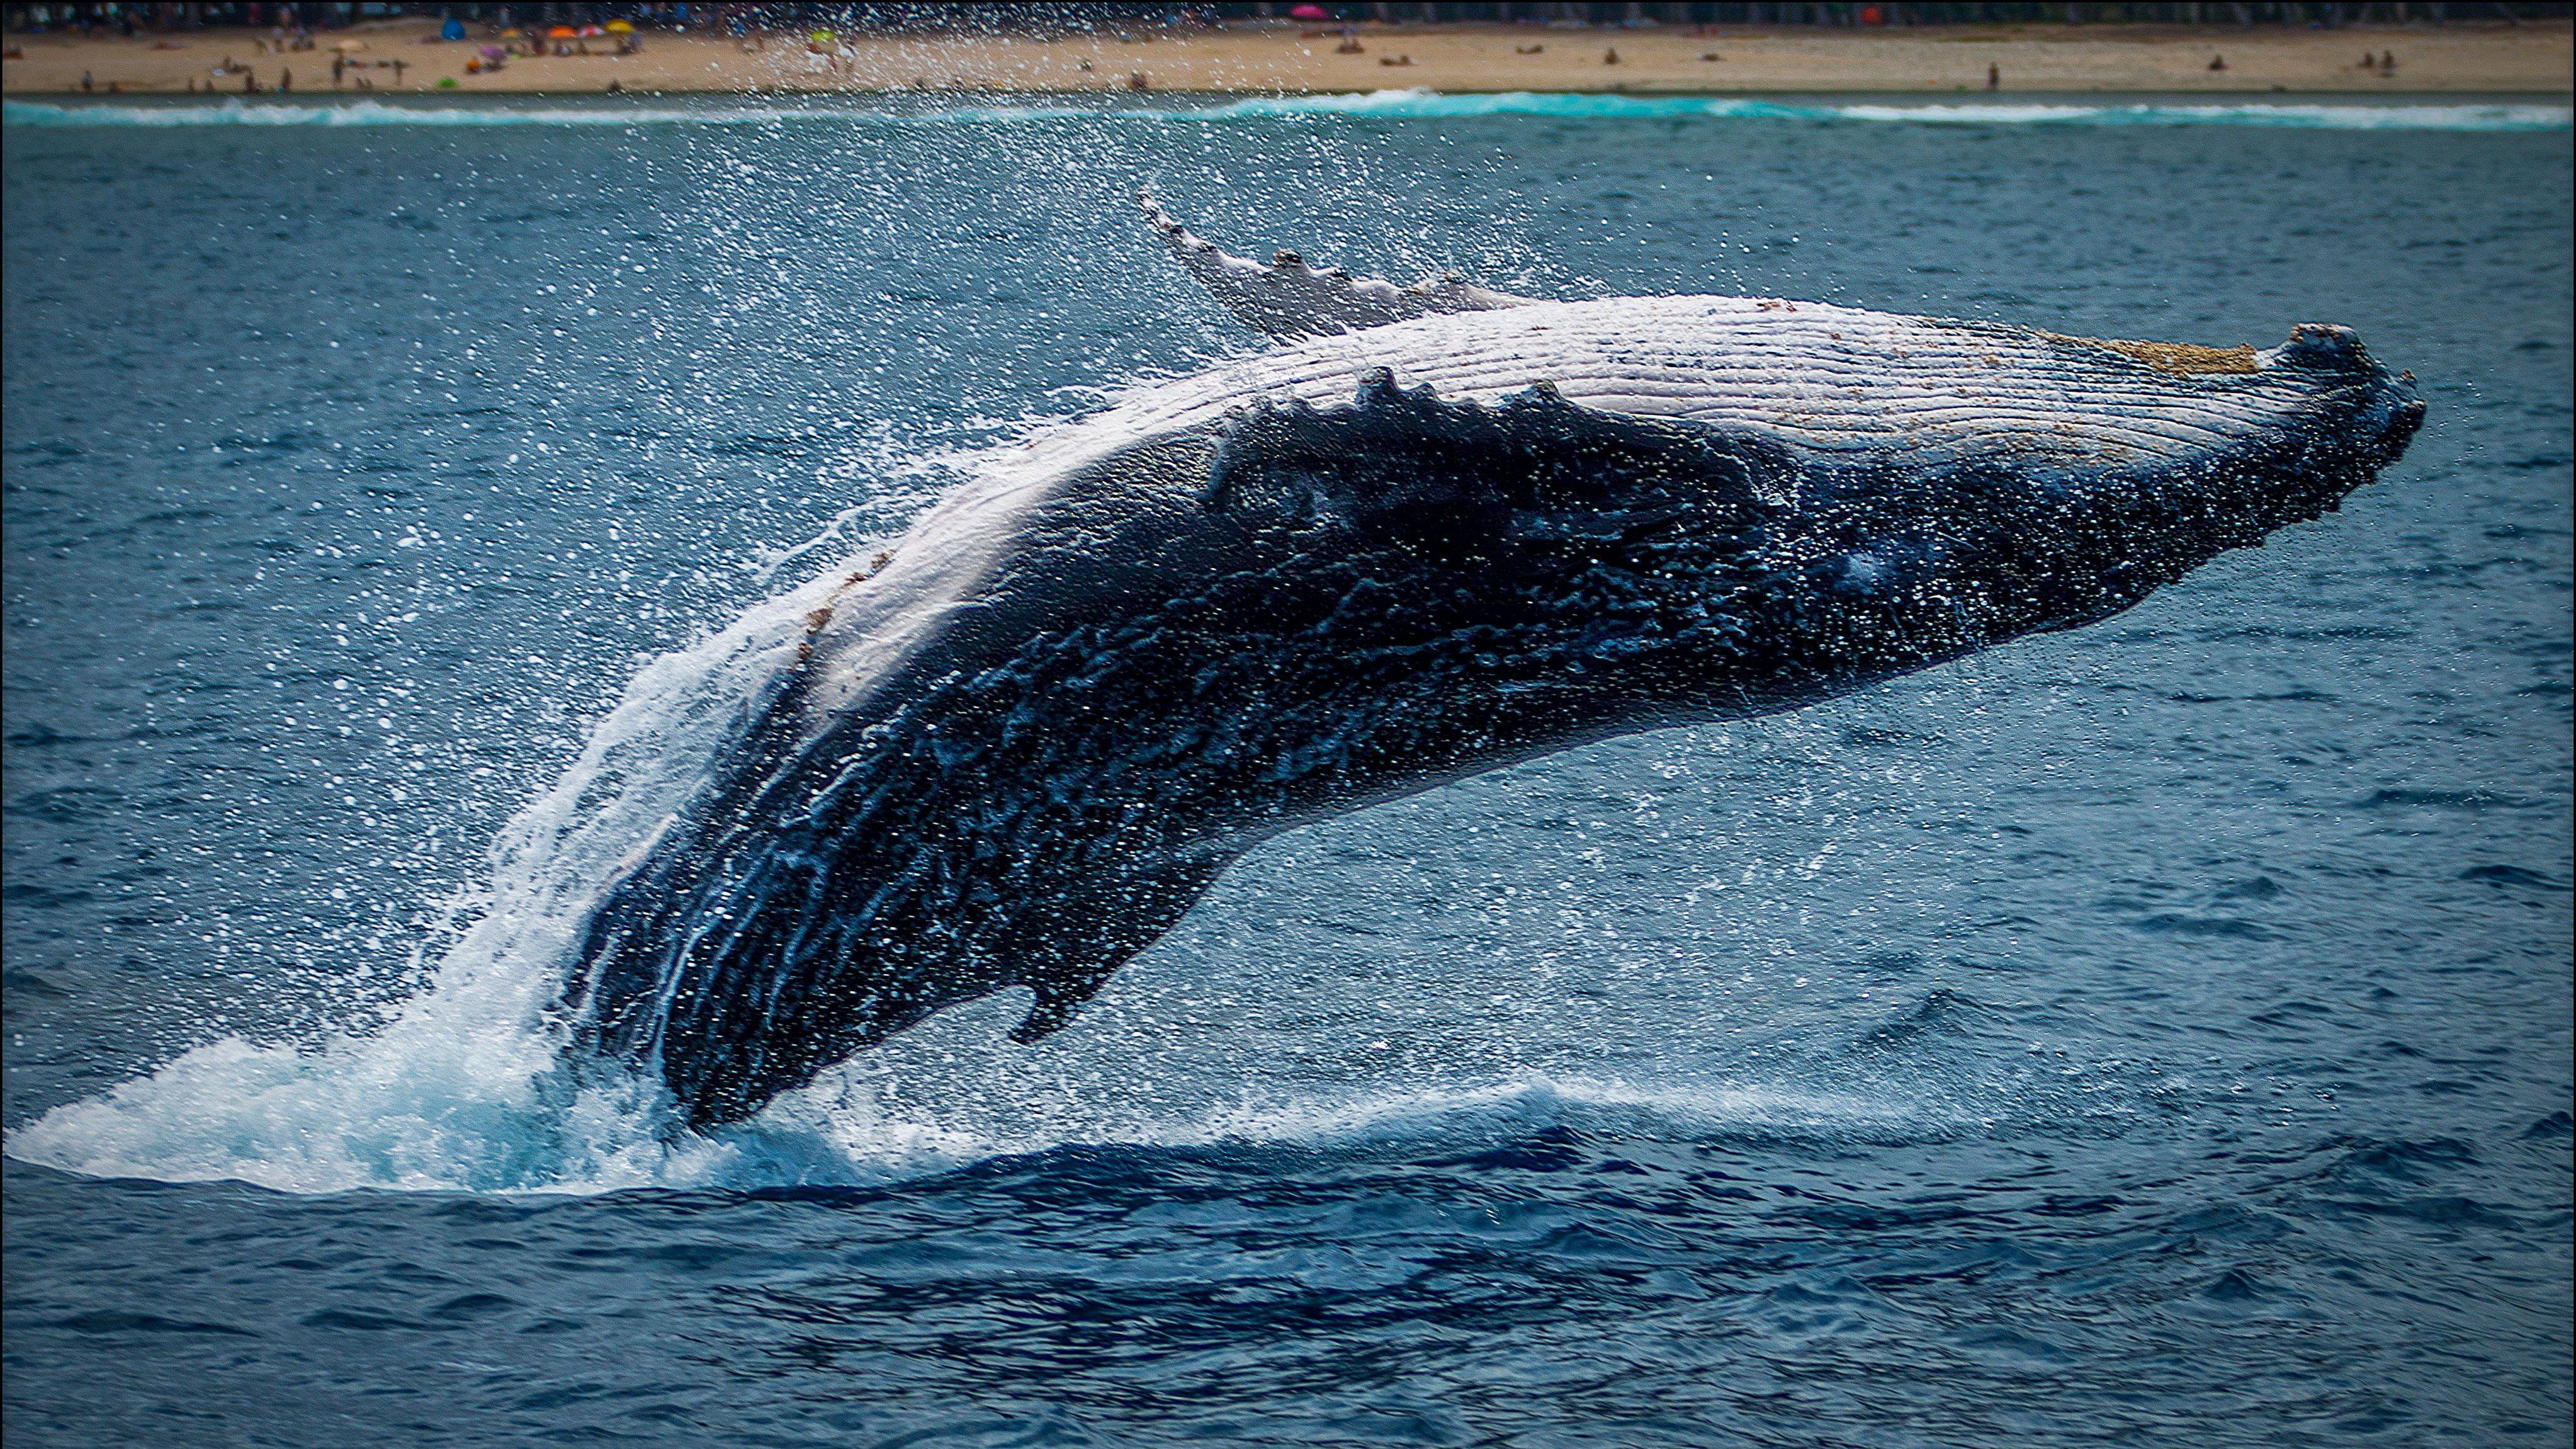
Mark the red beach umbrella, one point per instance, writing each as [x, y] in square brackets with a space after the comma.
[1308, 12]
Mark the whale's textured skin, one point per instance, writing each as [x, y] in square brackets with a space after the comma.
[1379, 559]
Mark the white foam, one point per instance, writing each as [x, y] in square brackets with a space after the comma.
[1390, 104]
[849, 1133]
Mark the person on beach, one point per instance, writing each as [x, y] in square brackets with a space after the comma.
[285, 79]
[1994, 77]
[85, 81]
[339, 64]
[2218, 62]
[1610, 56]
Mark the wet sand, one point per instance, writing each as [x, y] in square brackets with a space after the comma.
[2487, 57]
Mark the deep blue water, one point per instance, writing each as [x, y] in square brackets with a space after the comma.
[2155, 1034]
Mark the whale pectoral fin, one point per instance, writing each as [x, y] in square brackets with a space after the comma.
[1130, 906]
[1055, 1007]
[1290, 298]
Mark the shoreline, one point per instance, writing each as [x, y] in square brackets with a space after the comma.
[404, 58]
[1353, 103]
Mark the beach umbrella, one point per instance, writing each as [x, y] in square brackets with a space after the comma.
[494, 52]
[348, 47]
[512, 33]
[621, 27]
[562, 32]
[1308, 12]
[589, 30]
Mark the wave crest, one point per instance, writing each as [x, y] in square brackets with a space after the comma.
[1391, 104]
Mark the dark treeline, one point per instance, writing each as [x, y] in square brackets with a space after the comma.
[130, 18]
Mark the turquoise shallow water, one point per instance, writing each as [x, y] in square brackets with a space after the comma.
[2154, 1033]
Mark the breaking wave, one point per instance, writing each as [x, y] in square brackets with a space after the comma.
[1391, 104]
[2320, 115]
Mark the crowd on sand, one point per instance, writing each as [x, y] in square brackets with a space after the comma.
[352, 67]
[724, 49]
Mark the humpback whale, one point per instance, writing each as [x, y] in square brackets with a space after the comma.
[1436, 530]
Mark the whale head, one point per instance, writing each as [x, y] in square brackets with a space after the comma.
[1630, 569]
[2056, 541]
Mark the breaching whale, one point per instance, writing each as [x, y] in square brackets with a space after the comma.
[1444, 530]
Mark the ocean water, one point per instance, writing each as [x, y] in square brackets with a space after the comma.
[2158, 1033]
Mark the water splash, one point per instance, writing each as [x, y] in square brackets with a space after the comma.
[465, 1087]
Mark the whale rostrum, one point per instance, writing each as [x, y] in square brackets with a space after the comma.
[1414, 544]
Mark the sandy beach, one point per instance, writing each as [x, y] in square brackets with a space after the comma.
[2481, 58]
